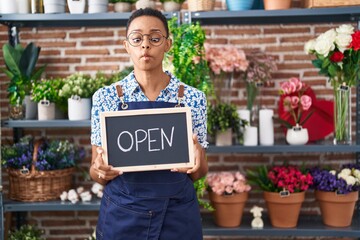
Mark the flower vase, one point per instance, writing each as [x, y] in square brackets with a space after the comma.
[336, 209]
[222, 84]
[284, 208]
[342, 114]
[254, 100]
[297, 135]
[16, 111]
[228, 208]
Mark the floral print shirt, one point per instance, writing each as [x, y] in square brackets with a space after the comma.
[106, 99]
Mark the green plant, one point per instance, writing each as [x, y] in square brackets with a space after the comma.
[46, 89]
[81, 85]
[26, 232]
[20, 65]
[125, 1]
[222, 116]
[177, 1]
[187, 55]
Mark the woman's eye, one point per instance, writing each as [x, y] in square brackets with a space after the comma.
[136, 40]
[155, 40]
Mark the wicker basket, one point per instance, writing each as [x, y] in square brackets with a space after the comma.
[200, 5]
[35, 186]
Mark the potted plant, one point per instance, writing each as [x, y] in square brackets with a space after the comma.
[223, 122]
[337, 192]
[122, 5]
[20, 68]
[172, 5]
[45, 93]
[40, 170]
[228, 193]
[284, 191]
[145, 4]
[78, 89]
[76, 6]
[26, 232]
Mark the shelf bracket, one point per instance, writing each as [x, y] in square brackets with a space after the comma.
[13, 33]
[186, 17]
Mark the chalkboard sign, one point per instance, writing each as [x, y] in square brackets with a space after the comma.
[149, 139]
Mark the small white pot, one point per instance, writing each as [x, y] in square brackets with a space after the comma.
[8, 6]
[145, 4]
[76, 6]
[224, 138]
[98, 6]
[122, 7]
[30, 108]
[23, 6]
[297, 135]
[54, 6]
[250, 136]
[171, 6]
[46, 110]
[79, 108]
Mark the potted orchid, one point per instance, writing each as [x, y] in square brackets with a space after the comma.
[294, 110]
[228, 193]
[337, 193]
[284, 191]
[337, 53]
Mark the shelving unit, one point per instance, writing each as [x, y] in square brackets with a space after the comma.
[308, 226]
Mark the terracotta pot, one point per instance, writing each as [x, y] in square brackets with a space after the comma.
[277, 4]
[228, 208]
[284, 210]
[336, 209]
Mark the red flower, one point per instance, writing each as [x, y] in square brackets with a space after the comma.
[337, 57]
[355, 43]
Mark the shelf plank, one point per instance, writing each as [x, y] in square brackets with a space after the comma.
[60, 123]
[294, 15]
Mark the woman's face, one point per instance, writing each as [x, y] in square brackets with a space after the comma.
[148, 55]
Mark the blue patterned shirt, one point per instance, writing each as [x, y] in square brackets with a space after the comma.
[106, 99]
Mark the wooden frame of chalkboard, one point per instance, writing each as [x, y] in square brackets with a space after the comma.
[148, 139]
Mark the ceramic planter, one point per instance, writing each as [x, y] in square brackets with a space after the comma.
[79, 108]
[171, 6]
[30, 108]
[46, 110]
[23, 6]
[284, 209]
[224, 138]
[76, 6]
[145, 4]
[277, 4]
[54, 6]
[122, 7]
[98, 6]
[238, 5]
[228, 208]
[297, 135]
[336, 209]
[8, 6]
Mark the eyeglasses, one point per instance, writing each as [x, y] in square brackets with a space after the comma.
[135, 39]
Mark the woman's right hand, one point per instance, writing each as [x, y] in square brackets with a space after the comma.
[99, 171]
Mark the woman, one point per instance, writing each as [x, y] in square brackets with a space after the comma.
[151, 204]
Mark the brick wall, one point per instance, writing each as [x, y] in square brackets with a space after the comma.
[67, 50]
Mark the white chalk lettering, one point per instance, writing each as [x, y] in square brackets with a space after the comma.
[137, 138]
[163, 135]
[119, 142]
[152, 140]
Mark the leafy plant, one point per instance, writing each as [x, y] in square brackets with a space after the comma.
[79, 84]
[20, 65]
[26, 232]
[125, 1]
[177, 1]
[187, 55]
[46, 89]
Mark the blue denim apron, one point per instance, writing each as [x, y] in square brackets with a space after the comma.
[149, 205]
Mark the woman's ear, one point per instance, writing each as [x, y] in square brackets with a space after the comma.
[126, 45]
[168, 44]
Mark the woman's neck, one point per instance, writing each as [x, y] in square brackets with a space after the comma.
[152, 83]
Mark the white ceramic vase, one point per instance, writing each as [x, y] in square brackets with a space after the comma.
[224, 138]
[145, 4]
[54, 6]
[76, 6]
[23, 6]
[8, 6]
[46, 110]
[297, 135]
[98, 6]
[79, 108]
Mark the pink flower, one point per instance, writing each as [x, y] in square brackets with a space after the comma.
[227, 183]
[306, 102]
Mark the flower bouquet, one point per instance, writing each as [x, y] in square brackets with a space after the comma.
[337, 193]
[284, 191]
[338, 57]
[228, 193]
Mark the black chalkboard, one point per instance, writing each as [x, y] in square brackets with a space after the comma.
[149, 139]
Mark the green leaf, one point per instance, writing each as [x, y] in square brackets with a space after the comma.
[10, 58]
[29, 59]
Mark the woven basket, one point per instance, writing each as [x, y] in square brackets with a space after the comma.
[35, 186]
[200, 5]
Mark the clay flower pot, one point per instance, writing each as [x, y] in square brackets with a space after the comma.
[277, 4]
[228, 208]
[284, 209]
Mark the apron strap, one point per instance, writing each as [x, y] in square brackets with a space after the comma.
[120, 94]
[180, 95]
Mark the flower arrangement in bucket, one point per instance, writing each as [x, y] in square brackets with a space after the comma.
[223, 62]
[338, 57]
[284, 191]
[337, 193]
[228, 193]
[294, 107]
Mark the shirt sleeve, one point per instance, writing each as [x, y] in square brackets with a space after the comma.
[95, 119]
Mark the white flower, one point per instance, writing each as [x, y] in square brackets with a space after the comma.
[73, 196]
[85, 196]
[323, 46]
[79, 190]
[345, 172]
[329, 34]
[309, 46]
[356, 173]
[350, 180]
[343, 41]
[63, 196]
[100, 194]
[96, 187]
[333, 172]
[345, 29]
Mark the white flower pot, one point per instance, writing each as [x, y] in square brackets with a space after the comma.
[46, 110]
[297, 135]
[171, 6]
[30, 108]
[98, 6]
[79, 109]
[54, 6]
[8, 6]
[23, 6]
[224, 138]
[122, 7]
[250, 136]
[145, 4]
[76, 6]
